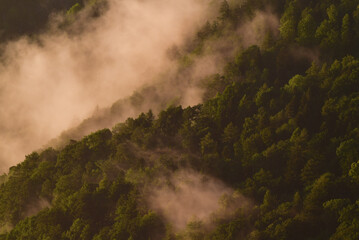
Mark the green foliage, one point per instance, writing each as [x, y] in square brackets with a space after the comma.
[288, 22]
[73, 10]
[276, 126]
[306, 28]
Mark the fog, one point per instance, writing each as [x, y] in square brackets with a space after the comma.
[192, 196]
[50, 84]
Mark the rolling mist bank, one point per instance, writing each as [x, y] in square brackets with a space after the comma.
[51, 82]
[94, 72]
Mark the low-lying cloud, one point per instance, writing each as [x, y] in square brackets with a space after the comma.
[50, 84]
[190, 196]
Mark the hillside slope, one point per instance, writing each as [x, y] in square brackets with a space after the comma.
[271, 153]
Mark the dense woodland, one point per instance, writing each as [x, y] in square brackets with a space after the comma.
[279, 127]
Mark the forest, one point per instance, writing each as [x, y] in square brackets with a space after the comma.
[272, 152]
